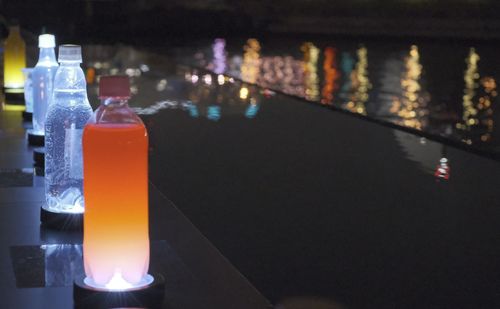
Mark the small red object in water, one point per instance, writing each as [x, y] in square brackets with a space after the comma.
[442, 170]
[268, 93]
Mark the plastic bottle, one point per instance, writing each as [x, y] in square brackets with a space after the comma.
[14, 59]
[67, 115]
[43, 78]
[115, 155]
[28, 89]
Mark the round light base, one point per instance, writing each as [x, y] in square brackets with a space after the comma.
[27, 116]
[61, 220]
[120, 285]
[14, 95]
[39, 156]
[35, 139]
[149, 296]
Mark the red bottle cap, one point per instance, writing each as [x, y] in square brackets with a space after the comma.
[114, 86]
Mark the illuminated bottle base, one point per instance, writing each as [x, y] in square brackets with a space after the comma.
[36, 139]
[67, 221]
[117, 283]
[118, 293]
[14, 96]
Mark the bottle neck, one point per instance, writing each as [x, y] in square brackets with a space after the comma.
[14, 30]
[69, 64]
[115, 110]
[47, 54]
[14, 33]
[114, 102]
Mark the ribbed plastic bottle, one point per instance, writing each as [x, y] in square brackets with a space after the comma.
[115, 162]
[67, 115]
[43, 81]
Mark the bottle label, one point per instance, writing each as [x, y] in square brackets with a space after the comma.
[73, 152]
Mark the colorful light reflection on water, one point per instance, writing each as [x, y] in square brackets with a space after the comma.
[386, 84]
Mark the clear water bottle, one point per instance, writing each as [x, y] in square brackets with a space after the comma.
[67, 115]
[43, 78]
[28, 89]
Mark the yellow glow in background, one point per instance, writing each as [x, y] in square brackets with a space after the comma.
[13, 107]
[14, 59]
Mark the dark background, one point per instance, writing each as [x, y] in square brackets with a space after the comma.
[151, 22]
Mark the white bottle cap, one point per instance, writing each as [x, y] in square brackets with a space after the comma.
[70, 53]
[46, 41]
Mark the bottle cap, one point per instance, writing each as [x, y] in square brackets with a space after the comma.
[70, 53]
[46, 41]
[114, 86]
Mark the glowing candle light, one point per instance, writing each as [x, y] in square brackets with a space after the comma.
[115, 145]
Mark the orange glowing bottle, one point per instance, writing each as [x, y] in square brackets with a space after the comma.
[115, 185]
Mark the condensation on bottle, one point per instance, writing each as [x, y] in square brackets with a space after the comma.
[67, 115]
